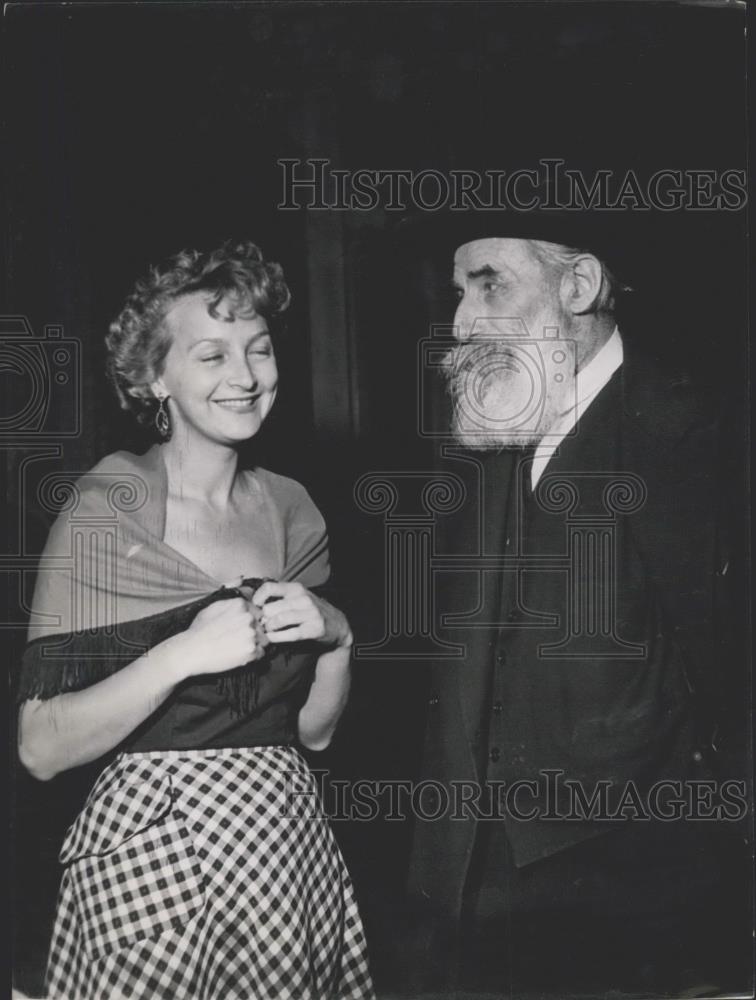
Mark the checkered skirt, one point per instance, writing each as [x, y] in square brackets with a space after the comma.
[206, 875]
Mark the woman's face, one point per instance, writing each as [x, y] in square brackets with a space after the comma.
[220, 374]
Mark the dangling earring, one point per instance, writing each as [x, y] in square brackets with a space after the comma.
[163, 420]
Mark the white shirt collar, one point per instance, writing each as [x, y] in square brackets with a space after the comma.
[601, 367]
[590, 380]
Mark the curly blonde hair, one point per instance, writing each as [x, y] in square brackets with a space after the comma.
[138, 341]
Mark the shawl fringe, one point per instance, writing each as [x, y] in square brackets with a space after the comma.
[72, 661]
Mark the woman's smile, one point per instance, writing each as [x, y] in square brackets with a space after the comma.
[238, 404]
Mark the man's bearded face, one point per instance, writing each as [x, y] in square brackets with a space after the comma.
[512, 374]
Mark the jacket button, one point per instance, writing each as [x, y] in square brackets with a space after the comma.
[493, 754]
[501, 658]
[697, 756]
[498, 707]
[433, 700]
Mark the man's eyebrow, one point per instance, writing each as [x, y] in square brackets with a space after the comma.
[484, 272]
[481, 272]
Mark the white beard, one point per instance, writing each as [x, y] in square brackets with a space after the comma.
[506, 395]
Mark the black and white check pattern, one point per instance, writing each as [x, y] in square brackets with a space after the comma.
[206, 875]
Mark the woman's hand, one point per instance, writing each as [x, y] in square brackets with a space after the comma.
[224, 635]
[80, 726]
[291, 613]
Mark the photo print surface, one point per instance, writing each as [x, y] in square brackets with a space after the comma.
[390, 363]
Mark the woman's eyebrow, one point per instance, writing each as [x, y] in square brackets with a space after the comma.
[206, 340]
[222, 340]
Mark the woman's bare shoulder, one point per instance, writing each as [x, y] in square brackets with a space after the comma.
[282, 489]
[126, 461]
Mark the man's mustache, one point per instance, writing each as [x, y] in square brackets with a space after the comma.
[494, 357]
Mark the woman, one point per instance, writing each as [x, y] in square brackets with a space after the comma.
[174, 623]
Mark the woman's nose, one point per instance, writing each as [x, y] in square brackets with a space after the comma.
[243, 374]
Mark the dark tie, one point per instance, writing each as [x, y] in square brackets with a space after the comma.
[524, 466]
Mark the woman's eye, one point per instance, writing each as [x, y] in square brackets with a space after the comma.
[491, 286]
[261, 352]
[212, 357]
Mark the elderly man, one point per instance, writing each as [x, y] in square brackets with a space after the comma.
[589, 820]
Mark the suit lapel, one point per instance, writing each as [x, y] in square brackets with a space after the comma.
[471, 594]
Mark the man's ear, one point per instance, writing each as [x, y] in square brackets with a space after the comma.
[581, 284]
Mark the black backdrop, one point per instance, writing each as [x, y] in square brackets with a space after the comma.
[134, 130]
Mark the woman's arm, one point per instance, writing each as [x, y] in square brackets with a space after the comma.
[290, 613]
[77, 727]
[80, 726]
[327, 699]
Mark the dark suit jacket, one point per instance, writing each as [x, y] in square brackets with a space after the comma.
[666, 436]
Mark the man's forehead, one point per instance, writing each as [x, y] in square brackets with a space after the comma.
[493, 252]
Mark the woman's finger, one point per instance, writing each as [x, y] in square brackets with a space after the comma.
[296, 634]
[267, 590]
[287, 617]
[275, 589]
[302, 605]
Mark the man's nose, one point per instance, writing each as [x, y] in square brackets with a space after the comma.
[462, 321]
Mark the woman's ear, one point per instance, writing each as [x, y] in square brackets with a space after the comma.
[581, 284]
[158, 389]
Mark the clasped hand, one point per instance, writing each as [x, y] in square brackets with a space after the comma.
[232, 632]
[291, 613]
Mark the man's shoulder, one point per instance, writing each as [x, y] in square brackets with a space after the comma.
[662, 403]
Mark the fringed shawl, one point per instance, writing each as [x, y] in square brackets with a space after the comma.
[109, 588]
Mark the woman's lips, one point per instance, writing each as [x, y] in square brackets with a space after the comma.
[241, 405]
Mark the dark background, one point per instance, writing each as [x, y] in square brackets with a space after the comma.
[134, 131]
